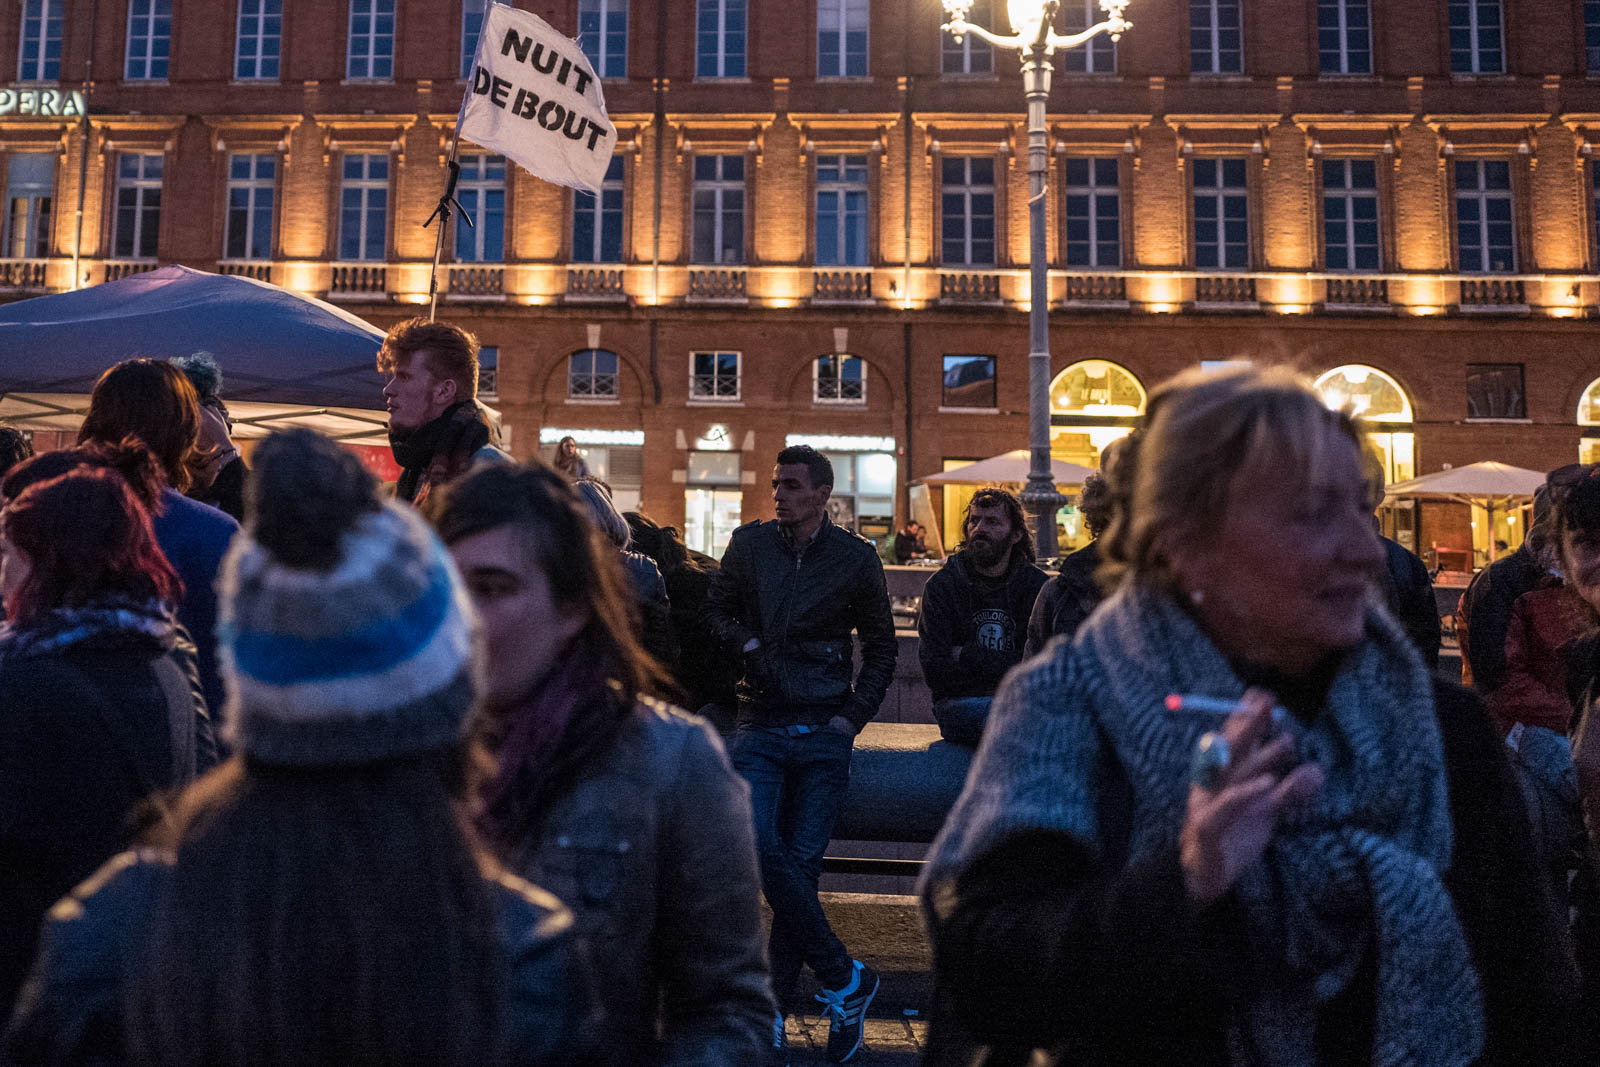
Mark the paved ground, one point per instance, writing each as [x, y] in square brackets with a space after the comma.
[886, 932]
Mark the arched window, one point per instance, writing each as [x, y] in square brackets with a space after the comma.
[1589, 416]
[839, 379]
[1377, 398]
[1371, 394]
[592, 375]
[1092, 403]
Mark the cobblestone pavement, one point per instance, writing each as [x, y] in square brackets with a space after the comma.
[896, 1042]
[885, 931]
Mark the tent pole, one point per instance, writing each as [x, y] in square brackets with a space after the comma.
[442, 213]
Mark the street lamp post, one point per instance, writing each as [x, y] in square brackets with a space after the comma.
[1032, 36]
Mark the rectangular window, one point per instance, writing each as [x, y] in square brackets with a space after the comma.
[251, 185]
[719, 209]
[1344, 37]
[973, 55]
[603, 36]
[714, 376]
[719, 27]
[597, 220]
[841, 211]
[1494, 391]
[149, 39]
[1485, 232]
[138, 213]
[1214, 37]
[259, 40]
[39, 55]
[1350, 214]
[488, 372]
[30, 188]
[364, 206]
[839, 379]
[968, 382]
[842, 38]
[1221, 214]
[371, 49]
[1477, 37]
[482, 191]
[592, 375]
[966, 210]
[1591, 36]
[1095, 56]
[472, 12]
[1094, 220]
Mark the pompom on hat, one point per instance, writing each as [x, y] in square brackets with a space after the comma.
[345, 633]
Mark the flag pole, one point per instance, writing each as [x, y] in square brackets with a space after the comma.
[447, 203]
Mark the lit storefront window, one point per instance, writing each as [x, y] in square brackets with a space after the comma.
[712, 500]
[1589, 416]
[1092, 404]
[1377, 398]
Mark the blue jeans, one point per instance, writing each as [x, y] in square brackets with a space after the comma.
[796, 786]
[961, 719]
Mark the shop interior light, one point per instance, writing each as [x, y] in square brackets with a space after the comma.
[549, 435]
[841, 442]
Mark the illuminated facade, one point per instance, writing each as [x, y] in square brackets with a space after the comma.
[815, 225]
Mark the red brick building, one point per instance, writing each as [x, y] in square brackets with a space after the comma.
[816, 224]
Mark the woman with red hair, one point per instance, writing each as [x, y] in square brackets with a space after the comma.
[99, 704]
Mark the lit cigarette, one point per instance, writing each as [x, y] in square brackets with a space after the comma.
[1177, 702]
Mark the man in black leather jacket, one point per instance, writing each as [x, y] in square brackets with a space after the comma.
[785, 600]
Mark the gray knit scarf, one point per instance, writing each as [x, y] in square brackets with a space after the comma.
[1360, 871]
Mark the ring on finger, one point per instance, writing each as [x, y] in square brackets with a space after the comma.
[1210, 761]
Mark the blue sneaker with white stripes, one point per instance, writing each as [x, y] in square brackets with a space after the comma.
[846, 1008]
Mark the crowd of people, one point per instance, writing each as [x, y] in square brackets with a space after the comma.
[300, 768]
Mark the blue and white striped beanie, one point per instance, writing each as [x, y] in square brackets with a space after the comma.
[346, 635]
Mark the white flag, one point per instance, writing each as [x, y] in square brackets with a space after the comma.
[535, 99]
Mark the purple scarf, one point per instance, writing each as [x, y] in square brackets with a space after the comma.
[529, 736]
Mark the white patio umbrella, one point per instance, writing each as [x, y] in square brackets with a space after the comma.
[1009, 468]
[1488, 485]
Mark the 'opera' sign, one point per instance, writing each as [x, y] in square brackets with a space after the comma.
[47, 102]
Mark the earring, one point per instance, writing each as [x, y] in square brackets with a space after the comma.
[1197, 597]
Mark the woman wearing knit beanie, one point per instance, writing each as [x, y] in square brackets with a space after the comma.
[99, 702]
[1235, 820]
[318, 899]
[625, 808]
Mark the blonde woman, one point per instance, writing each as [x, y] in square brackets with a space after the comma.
[1335, 872]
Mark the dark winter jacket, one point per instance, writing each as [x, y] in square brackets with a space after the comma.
[803, 607]
[71, 1013]
[226, 491]
[653, 848]
[1066, 600]
[650, 594]
[194, 536]
[971, 628]
[704, 672]
[1485, 614]
[1046, 946]
[1410, 595]
[1535, 688]
[88, 730]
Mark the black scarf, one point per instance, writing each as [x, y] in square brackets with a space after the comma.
[452, 437]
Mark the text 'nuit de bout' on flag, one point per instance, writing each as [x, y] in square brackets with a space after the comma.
[535, 99]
